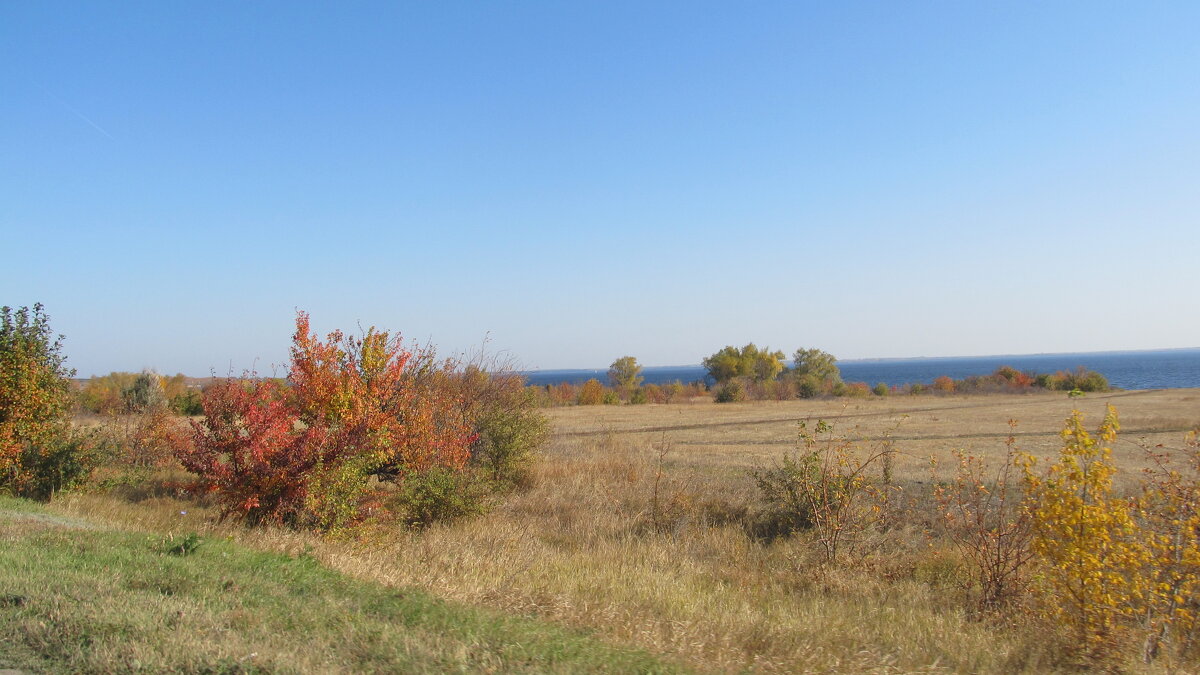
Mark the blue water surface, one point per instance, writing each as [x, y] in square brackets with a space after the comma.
[1165, 369]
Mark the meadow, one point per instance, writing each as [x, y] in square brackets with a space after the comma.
[640, 528]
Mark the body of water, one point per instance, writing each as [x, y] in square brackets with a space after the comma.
[1163, 369]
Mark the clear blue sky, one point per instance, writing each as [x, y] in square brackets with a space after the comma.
[583, 181]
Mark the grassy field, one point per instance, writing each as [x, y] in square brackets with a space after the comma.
[75, 598]
[635, 529]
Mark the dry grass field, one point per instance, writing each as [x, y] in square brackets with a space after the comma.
[634, 528]
[744, 435]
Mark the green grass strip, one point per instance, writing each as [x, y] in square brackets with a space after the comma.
[79, 600]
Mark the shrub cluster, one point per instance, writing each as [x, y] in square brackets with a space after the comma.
[593, 392]
[1106, 572]
[356, 415]
[121, 393]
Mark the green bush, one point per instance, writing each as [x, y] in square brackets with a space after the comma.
[808, 386]
[881, 389]
[145, 394]
[610, 398]
[638, 396]
[189, 403]
[782, 490]
[64, 461]
[440, 495]
[731, 392]
[510, 431]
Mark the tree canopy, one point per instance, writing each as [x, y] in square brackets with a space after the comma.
[820, 365]
[749, 361]
[625, 373]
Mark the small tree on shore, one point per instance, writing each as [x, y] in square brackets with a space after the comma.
[625, 374]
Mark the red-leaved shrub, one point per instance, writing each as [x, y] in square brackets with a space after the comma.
[356, 407]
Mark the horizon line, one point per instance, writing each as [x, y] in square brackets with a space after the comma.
[876, 359]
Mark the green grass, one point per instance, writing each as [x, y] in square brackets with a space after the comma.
[88, 600]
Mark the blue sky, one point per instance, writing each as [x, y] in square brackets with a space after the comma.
[580, 181]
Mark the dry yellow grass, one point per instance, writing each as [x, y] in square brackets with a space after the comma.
[581, 545]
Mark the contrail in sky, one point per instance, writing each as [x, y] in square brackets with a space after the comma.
[68, 106]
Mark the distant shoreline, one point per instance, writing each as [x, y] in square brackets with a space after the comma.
[890, 359]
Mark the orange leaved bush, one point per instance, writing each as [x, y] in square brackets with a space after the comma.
[355, 407]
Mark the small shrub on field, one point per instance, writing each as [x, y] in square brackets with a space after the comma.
[671, 501]
[989, 526]
[1081, 379]
[509, 429]
[610, 397]
[831, 486]
[65, 460]
[731, 391]
[150, 439]
[189, 403]
[591, 393]
[655, 394]
[638, 396]
[180, 545]
[916, 389]
[783, 389]
[439, 495]
[1089, 560]
[1170, 510]
[857, 390]
[943, 385]
[880, 389]
[563, 393]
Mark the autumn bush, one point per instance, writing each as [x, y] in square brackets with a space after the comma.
[591, 393]
[1106, 574]
[304, 454]
[986, 520]
[1170, 513]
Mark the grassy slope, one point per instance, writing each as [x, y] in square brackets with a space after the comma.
[89, 600]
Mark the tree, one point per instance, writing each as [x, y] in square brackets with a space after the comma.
[145, 394]
[749, 361]
[625, 373]
[820, 365]
[40, 453]
[35, 391]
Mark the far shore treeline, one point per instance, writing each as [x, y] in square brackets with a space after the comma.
[752, 373]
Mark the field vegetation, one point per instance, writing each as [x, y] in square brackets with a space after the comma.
[955, 533]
